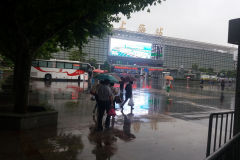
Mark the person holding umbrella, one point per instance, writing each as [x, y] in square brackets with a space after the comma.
[128, 93]
[105, 102]
[105, 99]
[168, 84]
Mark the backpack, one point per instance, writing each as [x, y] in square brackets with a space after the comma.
[118, 99]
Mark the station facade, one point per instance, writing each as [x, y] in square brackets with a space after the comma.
[170, 53]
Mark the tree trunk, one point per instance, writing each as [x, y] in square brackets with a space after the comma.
[21, 79]
[237, 98]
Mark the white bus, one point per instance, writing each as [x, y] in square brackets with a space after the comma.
[59, 70]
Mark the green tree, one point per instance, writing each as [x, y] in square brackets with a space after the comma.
[46, 50]
[77, 55]
[231, 74]
[202, 69]
[195, 67]
[6, 62]
[106, 66]
[222, 73]
[28, 25]
[210, 71]
[234, 74]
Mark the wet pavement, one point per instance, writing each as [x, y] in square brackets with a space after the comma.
[159, 127]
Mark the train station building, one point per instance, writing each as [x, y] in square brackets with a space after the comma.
[136, 52]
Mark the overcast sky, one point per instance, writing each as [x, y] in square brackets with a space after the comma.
[200, 20]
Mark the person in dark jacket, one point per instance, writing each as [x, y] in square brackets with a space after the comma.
[222, 85]
[201, 83]
[121, 84]
[121, 87]
[128, 93]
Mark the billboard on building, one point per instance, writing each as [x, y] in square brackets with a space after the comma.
[134, 49]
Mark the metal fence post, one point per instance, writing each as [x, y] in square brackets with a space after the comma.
[209, 135]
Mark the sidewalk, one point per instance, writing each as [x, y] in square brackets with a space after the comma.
[157, 129]
[154, 137]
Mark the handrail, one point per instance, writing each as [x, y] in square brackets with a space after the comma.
[219, 133]
[227, 149]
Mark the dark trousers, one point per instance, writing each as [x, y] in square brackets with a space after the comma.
[222, 87]
[121, 95]
[126, 99]
[96, 105]
[102, 107]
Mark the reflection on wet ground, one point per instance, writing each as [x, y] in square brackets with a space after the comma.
[159, 127]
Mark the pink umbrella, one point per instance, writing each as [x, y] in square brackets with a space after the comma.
[99, 71]
[127, 77]
[124, 74]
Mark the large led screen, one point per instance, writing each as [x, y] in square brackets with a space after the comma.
[126, 48]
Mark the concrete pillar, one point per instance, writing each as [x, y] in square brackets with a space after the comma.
[236, 128]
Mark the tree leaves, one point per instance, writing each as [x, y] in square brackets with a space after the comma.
[68, 22]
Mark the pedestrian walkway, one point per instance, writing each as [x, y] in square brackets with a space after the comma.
[157, 128]
[157, 137]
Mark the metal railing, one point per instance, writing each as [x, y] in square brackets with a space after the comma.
[223, 130]
[229, 151]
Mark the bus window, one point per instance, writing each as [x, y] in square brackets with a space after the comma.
[68, 66]
[35, 63]
[60, 65]
[76, 66]
[84, 67]
[42, 63]
[50, 64]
